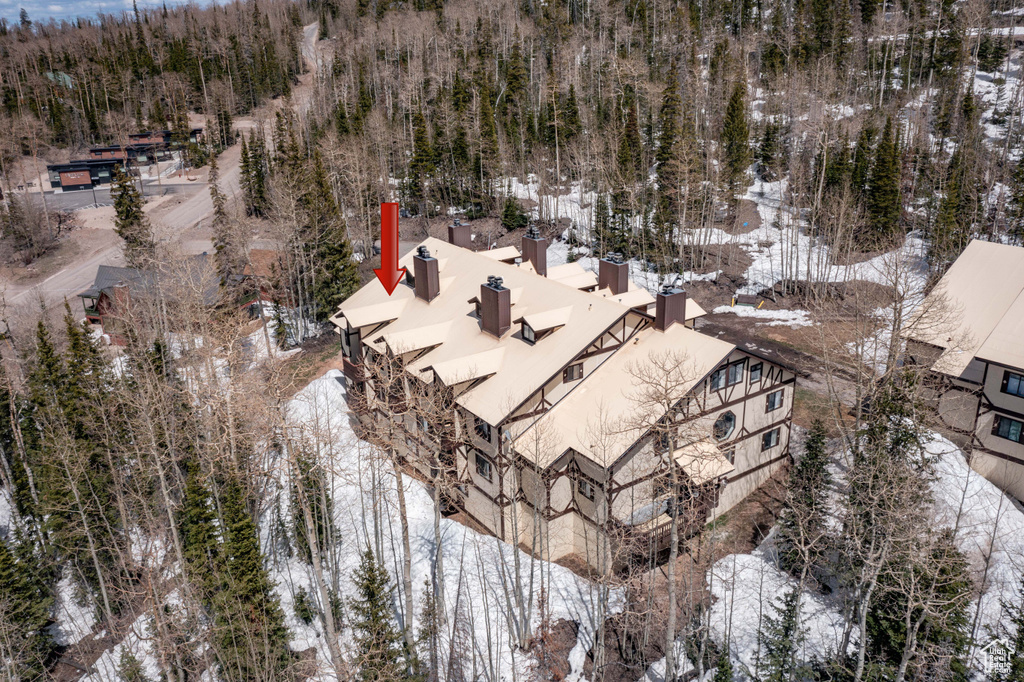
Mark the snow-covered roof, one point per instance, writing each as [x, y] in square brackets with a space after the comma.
[976, 310]
[601, 418]
[507, 371]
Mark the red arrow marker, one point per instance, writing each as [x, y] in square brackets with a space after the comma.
[389, 273]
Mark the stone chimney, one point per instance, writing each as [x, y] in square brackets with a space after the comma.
[121, 297]
[425, 274]
[535, 250]
[495, 307]
[460, 235]
[613, 273]
[670, 307]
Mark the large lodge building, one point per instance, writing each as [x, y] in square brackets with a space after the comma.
[968, 338]
[589, 412]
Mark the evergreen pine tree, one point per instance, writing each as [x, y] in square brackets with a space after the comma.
[335, 275]
[861, 161]
[781, 637]
[571, 115]
[768, 151]
[1015, 611]
[25, 603]
[631, 149]
[736, 138]
[1015, 207]
[130, 222]
[421, 166]
[488, 135]
[883, 193]
[667, 156]
[198, 533]
[802, 522]
[378, 642]
[723, 665]
[223, 251]
[314, 491]
[251, 637]
[945, 583]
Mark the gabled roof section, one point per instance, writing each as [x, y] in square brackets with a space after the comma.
[702, 461]
[523, 368]
[470, 367]
[975, 309]
[604, 416]
[375, 313]
[412, 340]
[192, 274]
[548, 319]
[504, 254]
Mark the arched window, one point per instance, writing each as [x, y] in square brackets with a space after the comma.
[725, 425]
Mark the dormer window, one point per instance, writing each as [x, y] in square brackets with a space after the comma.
[538, 325]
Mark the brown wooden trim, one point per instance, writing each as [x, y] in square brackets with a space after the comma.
[725, 406]
[1000, 455]
[561, 369]
[760, 466]
[615, 490]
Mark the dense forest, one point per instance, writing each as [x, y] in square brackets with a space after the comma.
[168, 485]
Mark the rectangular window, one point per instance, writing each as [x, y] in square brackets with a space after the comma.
[718, 380]
[755, 372]
[528, 334]
[585, 488]
[425, 426]
[1010, 429]
[774, 401]
[573, 373]
[483, 466]
[483, 429]
[770, 439]
[736, 372]
[1013, 384]
[730, 454]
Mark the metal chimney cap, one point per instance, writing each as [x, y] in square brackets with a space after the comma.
[614, 257]
[494, 282]
[456, 223]
[422, 252]
[532, 232]
[668, 289]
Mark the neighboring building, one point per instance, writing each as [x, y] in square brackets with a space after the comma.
[82, 174]
[115, 288]
[557, 451]
[969, 335]
[139, 154]
[110, 296]
[163, 137]
[142, 149]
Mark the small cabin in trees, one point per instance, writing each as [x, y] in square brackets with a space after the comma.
[116, 290]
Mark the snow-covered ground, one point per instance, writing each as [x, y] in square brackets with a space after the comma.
[988, 526]
[478, 569]
[74, 614]
[138, 643]
[747, 588]
[778, 248]
[772, 318]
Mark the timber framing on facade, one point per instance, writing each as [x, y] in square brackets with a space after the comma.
[969, 338]
[568, 412]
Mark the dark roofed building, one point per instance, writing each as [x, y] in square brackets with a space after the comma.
[114, 289]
